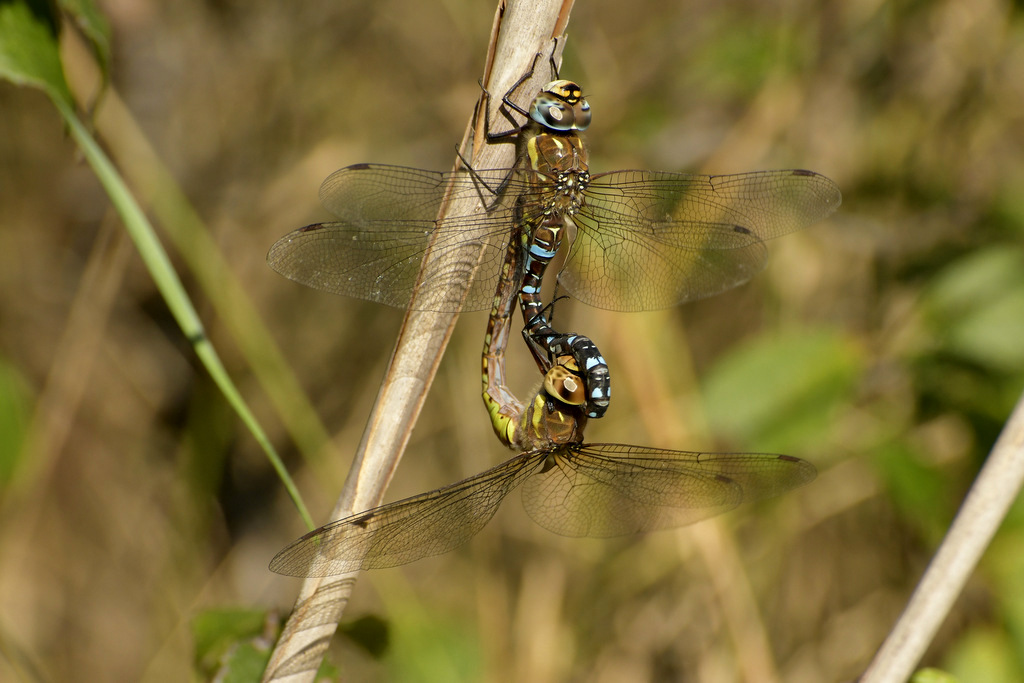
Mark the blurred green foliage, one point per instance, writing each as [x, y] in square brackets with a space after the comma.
[973, 308]
[782, 392]
[28, 41]
[15, 407]
[217, 634]
[933, 676]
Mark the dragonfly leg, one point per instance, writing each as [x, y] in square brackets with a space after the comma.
[496, 192]
[551, 60]
[537, 334]
[506, 100]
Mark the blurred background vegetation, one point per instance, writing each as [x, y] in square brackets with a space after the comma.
[885, 345]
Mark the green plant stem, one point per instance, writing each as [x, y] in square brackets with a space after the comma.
[167, 281]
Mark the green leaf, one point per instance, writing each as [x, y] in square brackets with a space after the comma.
[215, 631]
[974, 307]
[29, 56]
[921, 492]
[984, 654]
[781, 392]
[933, 676]
[234, 645]
[28, 47]
[244, 663]
[435, 647]
[1003, 567]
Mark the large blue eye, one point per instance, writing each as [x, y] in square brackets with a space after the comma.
[581, 115]
[552, 113]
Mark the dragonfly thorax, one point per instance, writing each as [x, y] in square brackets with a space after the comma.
[548, 423]
[560, 172]
[571, 185]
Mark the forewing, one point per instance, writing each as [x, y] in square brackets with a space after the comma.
[388, 224]
[649, 240]
[609, 489]
[407, 530]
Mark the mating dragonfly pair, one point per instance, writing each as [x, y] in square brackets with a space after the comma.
[635, 240]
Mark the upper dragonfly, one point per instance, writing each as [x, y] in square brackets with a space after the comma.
[643, 239]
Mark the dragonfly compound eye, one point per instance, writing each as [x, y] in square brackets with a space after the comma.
[560, 106]
[581, 114]
[552, 113]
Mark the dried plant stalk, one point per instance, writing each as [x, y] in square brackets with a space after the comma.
[985, 507]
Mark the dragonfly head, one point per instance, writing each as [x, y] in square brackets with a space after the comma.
[564, 382]
[561, 106]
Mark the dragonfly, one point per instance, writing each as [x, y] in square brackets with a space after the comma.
[567, 486]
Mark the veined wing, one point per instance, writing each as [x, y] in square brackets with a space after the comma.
[611, 490]
[388, 221]
[649, 240]
[407, 530]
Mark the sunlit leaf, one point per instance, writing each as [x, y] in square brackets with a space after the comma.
[434, 649]
[933, 676]
[780, 392]
[984, 654]
[975, 305]
[1003, 566]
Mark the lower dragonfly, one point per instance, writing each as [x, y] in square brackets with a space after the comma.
[568, 487]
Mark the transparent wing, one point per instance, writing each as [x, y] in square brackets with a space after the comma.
[649, 240]
[646, 239]
[407, 530]
[388, 221]
[611, 490]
